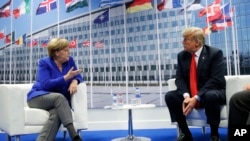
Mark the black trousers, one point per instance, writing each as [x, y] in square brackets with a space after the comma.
[210, 101]
[239, 109]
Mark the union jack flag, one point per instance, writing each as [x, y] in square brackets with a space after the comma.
[46, 6]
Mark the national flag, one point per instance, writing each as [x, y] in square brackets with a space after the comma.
[10, 37]
[71, 5]
[86, 43]
[21, 40]
[2, 34]
[44, 43]
[139, 5]
[46, 6]
[72, 44]
[99, 44]
[109, 3]
[5, 10]
[169, 4]
[22, 9]
[104, 17]
[225, 21]
[32, 43]
[213, 11]
[192, 6]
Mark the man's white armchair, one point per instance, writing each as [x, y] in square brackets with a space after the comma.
[198, 118]
[18, 119]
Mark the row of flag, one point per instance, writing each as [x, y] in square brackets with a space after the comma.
[44, 7]
[34, 42]
[217, 17]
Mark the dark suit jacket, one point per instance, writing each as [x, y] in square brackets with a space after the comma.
[211, 71]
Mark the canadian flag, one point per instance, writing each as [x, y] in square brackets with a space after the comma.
[72, 44]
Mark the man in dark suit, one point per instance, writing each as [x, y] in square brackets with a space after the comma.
[209, 84]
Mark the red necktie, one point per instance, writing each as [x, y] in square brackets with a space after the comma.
[193, 78]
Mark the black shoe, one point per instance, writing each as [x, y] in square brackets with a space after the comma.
[215, 138]
[77, 138]
[184, 137]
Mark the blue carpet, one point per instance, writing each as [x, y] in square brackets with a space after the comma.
[168, 134]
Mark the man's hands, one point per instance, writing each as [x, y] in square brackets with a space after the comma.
[188, 105]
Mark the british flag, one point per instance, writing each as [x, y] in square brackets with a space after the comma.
[46, 6]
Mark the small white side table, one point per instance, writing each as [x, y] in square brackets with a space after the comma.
[129, 107]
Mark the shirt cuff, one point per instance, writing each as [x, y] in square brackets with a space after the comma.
[185, 95]
[197, 98]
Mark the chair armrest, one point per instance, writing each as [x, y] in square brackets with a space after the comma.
[79, 103]
[12, 103]
[235, 84]
[171, 84]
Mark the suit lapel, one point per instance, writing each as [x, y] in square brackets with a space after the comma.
[202, 59]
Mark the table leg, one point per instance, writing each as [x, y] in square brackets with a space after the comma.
[131, 136]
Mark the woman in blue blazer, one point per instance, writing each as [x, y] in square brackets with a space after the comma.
[57, 80]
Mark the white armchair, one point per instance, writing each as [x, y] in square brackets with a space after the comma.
[198, 117]
[18, 119]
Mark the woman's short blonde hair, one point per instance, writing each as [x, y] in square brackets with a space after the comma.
[195, 33]
[56, 44]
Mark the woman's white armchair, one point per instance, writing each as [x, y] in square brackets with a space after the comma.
[18, 119]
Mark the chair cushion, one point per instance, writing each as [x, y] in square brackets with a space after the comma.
[34, 116]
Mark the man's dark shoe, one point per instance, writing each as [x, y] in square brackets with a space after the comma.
[215, 138]
[184, 137]
[77, 138]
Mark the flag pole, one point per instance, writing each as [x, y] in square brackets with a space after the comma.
[158, 51]
[185, 13]
[31, 36]
[226, 43]
[58, 24]
[11, 28]
[110, 59]
[90, 57]
[208, 25]
[237, 47]
[125, 46]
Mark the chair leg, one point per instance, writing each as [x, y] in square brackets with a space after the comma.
[203, 130]
[17, 138]
[9, 138]
[64, 134]
[79, 132]
[178, 130]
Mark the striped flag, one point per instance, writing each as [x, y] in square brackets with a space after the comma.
[5, 10]
[168, 4]
[86, 43]
[22, 9]
[99, 44]
[139, 5]
[109, 3]
[71, 5]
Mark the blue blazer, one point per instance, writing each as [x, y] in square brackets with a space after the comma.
[211, 70]
[50, 79]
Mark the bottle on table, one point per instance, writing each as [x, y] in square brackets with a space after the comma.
[120, 99]
[137, 96]
[114, 100]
